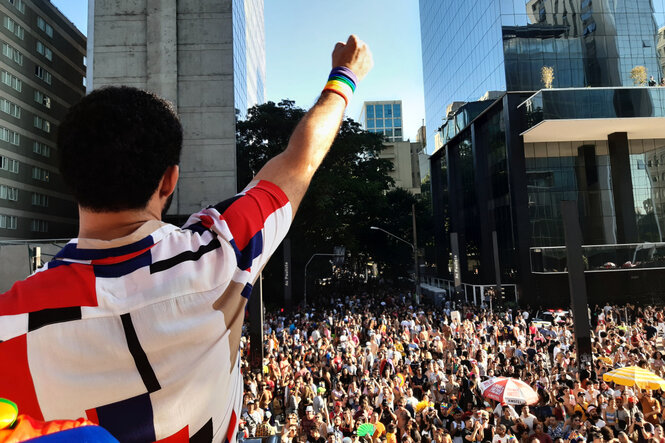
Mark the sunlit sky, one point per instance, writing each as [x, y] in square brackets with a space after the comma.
[300, 36]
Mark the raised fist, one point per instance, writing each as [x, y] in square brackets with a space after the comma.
[355, 55]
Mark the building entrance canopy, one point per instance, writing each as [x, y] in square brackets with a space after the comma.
[592, 113]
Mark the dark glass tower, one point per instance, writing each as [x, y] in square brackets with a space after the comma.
[509, 146]
[470, 48]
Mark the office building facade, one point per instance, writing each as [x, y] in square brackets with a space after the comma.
[503, 165]
[385, 118]
[207, 57]
[42, 74]
[469, 49]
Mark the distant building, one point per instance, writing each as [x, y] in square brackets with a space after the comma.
[207, 57]
[385, 117]
[406, 168]
[42, 73]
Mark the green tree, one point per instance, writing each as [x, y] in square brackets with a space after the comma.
[346, 194]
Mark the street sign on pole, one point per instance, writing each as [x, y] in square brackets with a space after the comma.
[288, 293]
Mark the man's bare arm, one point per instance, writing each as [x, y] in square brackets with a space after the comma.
[293, 169]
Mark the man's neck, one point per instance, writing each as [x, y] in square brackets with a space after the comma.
[112, 225]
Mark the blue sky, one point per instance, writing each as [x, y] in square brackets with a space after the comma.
[300, 36]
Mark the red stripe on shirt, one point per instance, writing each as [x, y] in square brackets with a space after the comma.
[60, 287]
[15, 379]
[182, 436]
[247, 215]
[120, 258]
[92, 415]
[232, 426]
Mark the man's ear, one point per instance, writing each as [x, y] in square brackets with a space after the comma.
[169, 181]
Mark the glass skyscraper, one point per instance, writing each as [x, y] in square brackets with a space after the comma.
[470, 48]
[249, 54]
[535, 102]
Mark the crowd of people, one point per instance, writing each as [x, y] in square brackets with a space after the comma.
[375, 368]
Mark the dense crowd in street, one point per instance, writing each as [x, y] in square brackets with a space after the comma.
[375, 368]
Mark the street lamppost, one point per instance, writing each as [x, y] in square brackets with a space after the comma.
[318, 254]
[415, 256]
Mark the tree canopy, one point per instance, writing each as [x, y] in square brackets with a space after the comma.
[350, 192]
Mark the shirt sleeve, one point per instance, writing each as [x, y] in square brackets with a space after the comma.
[253, 222]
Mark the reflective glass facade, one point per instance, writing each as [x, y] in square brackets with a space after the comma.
[470, 48]
[578, 171]
[249, 56]
[647, 168]
[472, 197]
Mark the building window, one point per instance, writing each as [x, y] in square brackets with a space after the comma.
[40, 174]
[9, 164]
[18, 4]
[43, 74]
[44, 50]
[12, 81]
[7, 221]
[398, 132]
[41, 24]
[42, 124]
[13, 27]
[40, 200]
[8, 193]
[39, 225]
[10, 108]
[12, 53]
[370, 111]
[388, 111]
[41, 149]
[42, 98]
[9, 136]
[397, 110]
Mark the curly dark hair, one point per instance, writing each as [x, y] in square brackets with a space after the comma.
[115, 145]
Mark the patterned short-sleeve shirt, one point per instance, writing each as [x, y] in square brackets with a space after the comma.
[141, 334]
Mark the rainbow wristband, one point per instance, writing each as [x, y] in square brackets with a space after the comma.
[345, 72]
[340, 88]
[342, 81]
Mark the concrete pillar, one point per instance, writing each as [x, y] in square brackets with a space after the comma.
[622, 187]
[482, 183]
[519, 199]
[577, 282]
[162, 49]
